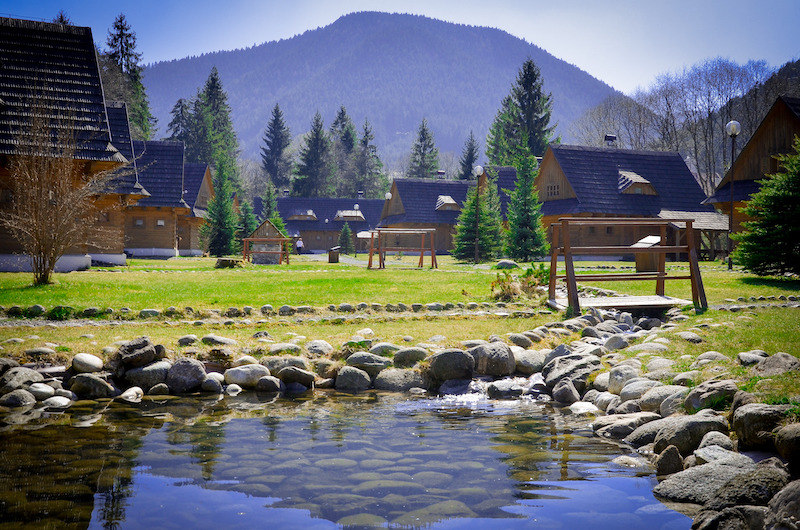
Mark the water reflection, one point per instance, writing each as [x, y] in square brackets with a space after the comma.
[322, 459]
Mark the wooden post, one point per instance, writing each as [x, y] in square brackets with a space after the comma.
[421, 250]
[551, 288]
[698, 292]
[662, 263]
[572, 286]
[434, 262]
[371, 248]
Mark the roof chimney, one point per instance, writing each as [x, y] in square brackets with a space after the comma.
[360, 194]
[286, 193]
[611, 140]
[440, 174]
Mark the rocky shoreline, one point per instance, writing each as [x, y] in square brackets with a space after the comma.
[703, 457]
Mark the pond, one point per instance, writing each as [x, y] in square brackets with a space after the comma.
[321, 460]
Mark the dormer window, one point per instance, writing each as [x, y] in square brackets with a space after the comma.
[349, 215]
[303, 215]
[552, 190]
[631, 183]
[446, 202]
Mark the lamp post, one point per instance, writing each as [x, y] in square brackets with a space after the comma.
[733, 128]
[477, 171]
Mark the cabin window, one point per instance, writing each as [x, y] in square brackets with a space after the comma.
[138, 222]
[609, 230]
[318, 238]
[553, 190]
[160, 223]
[638, 190]
[591, 230]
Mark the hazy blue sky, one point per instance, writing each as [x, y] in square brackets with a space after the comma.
[625, 43]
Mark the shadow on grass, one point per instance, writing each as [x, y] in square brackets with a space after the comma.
[785, 284]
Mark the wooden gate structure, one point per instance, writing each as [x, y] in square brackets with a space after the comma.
[378, 243]
[562, 247]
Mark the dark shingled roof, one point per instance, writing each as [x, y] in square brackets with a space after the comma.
[593, 173]
[793, 104]
[126, 180]
[56, 64]
[160, 166]
[324, 208]
[419, 197]
[193, 174]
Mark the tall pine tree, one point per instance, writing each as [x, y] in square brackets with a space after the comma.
[246, 222]
[344, 138]
[370, 177]
[526, 238]
[424, 163]
[180, 126]
[469, 157]
[315, 170]
[275, 157]
[490, 224]
[220, 229]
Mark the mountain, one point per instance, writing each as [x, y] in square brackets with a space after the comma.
[393, 69]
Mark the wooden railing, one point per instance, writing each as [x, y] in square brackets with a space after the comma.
[284, 247]
[562, 247]
[378, 244]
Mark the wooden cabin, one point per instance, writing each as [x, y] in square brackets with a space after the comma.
[436, 204]
[56, 64]
[151, 225]
[579, 181]
[757, 159]
[198, 191]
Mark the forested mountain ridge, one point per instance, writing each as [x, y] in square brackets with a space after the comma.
[392, 69]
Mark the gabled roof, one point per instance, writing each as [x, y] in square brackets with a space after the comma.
[420, 196]
[594, 175]
[193, 175]
[325, 209]
[160, 165]
[126, 180]
[57, 64]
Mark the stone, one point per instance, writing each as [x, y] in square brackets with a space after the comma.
[233, 390]
[507, 264]
[57, 403]
[283, 348]
[710, 394]
[686, 432]
[149, 313]
[409, 356]
[618, 426]
[690, 336]
[753, 488]
[92, 386]
[243, 360]
[717, 438]
[648, 347]
[215, 340]
[211, 385]
[161, 389]
[276, 363]
[582, 407]
[187, 340]
[17, 398]
[319, 347]
[326, 368]
[755, 424]
[784, 508]
[712, 356]
[616, 342]
[86, 363]
[294, 374]
[697, 485]
[185, 375]
[575, 367]
[777, 364]
[625, 407]
[384, 348]
[787, 443]
[636, 389]
[41, 391]
[133, 394]
[451, 364]
[246, 376]
[399, 380]
[565, 392]
[18, 377]
[139, 352]
[369, 362]
[604, 399]
[619, 375]
[749, 358]
[686, 378]
[659, 363]
[562, 350]
[669, 461]
[40, 351]
[734, 517]
[352, 379]
[645, 434]
[495, 359]
[715, 453]
[148, 376]
[6, 364]
[529, 361]
[270, 384]
[652, 399]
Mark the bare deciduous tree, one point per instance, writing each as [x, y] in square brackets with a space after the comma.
[54, 194]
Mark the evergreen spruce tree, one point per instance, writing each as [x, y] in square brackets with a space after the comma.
[469, 157]
[121, 42]
[344, 139]
[180, 126]
[346, 245]
[200, 134]
[275, 157]
[770, 243]
[269, 202]
[502, 133]
[526, 237]
[424, 162]
[369, 174]
[490, 225]
[315, 171]
[220, 230]
[246, 222]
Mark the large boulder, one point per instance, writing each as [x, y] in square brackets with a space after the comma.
[17, 398]
[185, 375]
[686, 432]
[148, 376]
[787, 443]
[294, 374]
[618, 426]
[278, 362]
[246, 376]
[319, 347]
[777, 364]
[634, 390]
[352, 379]
[698, 484]
[754, 488]
[93, 386]
[139, 352]
[86, 363]
[619, 375]
[18, 377]
[451, 364]
[409, 356]
[576, 367]
[399, 380]
[755, 424]
[529, 361]
[652, 399]
[784, 508]
[369, 362]
[494, 358]
[710, 394]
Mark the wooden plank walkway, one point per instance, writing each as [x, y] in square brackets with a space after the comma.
[621, 302]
